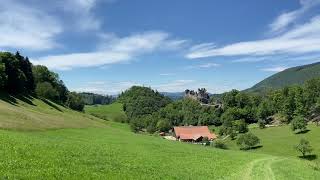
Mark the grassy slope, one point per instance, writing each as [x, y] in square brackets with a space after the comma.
[113, 152]
[291, 76]
[35, 114]
[280, 141]
[116, 153]
[112, 112]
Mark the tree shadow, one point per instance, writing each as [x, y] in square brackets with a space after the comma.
[8, 98]
[51, 104]
[310, 157]
[26, 98]
[303, 132]
[256, 147]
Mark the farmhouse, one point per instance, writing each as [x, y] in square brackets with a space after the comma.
[193, 133]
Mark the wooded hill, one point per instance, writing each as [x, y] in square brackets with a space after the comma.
[292, 76]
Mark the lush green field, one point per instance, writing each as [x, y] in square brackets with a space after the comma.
[113, 112]
[280, 141]
[116, 153]
[109, 150]
[26, 113]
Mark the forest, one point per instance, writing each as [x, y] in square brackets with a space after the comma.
[19, 77]
[148, 110]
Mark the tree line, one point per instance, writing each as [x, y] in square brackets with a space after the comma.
[92, 99]
[148, 110]
[18, 76]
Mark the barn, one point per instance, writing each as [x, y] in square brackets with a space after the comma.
[193, 133]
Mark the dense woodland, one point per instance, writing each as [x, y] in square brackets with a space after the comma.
[147, 110]
[92, 99]
[19, 77]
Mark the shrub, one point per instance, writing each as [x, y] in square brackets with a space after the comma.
[298, 123]
[261, 124]
[241, 126]
[247, 141]
[304, 147]
[205, 141]
[75, 101]
[219, 144]
[46, 90]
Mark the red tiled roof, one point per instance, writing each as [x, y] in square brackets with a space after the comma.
[193, 132]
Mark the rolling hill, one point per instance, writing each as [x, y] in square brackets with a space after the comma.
[291, 76]
[28, 113]
[113, 112]
[73, 145]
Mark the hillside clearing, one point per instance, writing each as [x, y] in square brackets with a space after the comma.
[113, 112]
[280, 141]
[116, 153]
[27, 113]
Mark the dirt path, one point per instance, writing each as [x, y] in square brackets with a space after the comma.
[260, 169]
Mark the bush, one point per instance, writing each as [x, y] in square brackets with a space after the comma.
[241, 126]
[136, 125]
[75, 102]
[247, 141]
[205, 141]
[163, 125]
[220, 144]
[304, 147]
[261, 124]
[298, 123]
[45, 90]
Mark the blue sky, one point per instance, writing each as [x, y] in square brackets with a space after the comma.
[106, 46]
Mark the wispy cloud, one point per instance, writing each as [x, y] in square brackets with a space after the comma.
[203, 66]
[27, 27]
[116, 50]
[301, 39]
[287, 18]
[167, 74]
[274, 69]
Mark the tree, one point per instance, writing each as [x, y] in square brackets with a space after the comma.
[298, 123]
[75, 101]
[304, 147]
[45, 90]
[220, 144]
[241, 126]
[261, 124]
[163, 125]
[247, 141]
[3, 76]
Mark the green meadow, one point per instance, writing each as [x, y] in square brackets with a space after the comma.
[40, 139]
[112, 112]
[280, 141]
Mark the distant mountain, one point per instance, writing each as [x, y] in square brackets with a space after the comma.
[296, 75]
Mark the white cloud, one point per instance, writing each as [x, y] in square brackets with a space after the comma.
[202, 66]
[274, 69]
[302, 39]
[167, 74]
[117, 50]
[101, 87]
[287, 18]
[82, 13]
[27, 27]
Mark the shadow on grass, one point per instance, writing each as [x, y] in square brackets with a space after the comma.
[309, 157]
[8, 98]
[257, 147]
[26, 98]
[303, 132]
[51, 104]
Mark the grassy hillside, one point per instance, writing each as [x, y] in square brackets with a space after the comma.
[27, 113]
[112, 112]
[291, 76]
[115, 153]
[280, 141]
